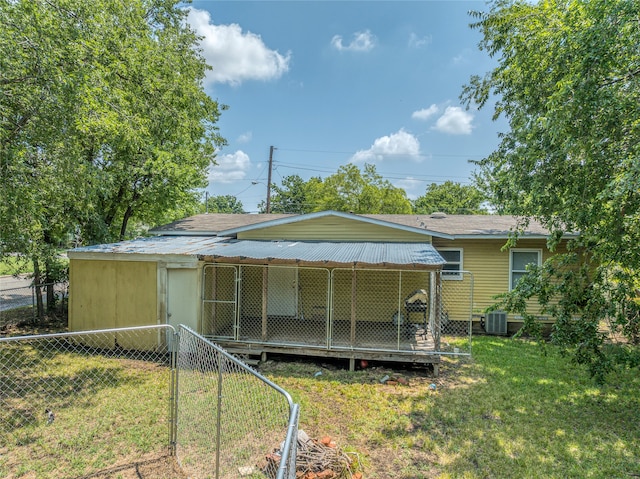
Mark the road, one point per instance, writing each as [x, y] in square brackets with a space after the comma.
[15, 292]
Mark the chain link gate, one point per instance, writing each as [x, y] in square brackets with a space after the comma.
[231, 421]
[457, 314]
[72, 404]
[266, 304]
[66, 406]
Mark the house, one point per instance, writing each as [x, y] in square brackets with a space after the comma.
[328, 284]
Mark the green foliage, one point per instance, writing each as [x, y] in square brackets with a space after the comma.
[349, 190]
[514, 411]
[104, 123]
[568, 82]
[294, 196]
[451, 198]
[222, 204]
[353, 190]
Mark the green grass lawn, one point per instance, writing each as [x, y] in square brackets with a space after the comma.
[10, 265]
[107, 411]
[511, 412]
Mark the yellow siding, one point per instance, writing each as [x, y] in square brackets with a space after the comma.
[334, 229]
[379, 294]
[112, 294]
[251, 291]
[489, 264]
[314, 291]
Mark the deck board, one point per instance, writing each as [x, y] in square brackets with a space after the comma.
[370, 335]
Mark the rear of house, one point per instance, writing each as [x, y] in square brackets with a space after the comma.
[388, 287]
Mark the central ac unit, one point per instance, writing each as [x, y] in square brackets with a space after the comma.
[496, 322]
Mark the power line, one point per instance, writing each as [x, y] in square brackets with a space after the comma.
[384, 175]
[432, 155]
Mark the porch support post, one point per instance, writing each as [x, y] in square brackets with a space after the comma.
[435, 275]
[214, 296]
[265, 280]
[353, 306]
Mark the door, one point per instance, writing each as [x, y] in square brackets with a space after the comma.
[182, 298]
[282, 299]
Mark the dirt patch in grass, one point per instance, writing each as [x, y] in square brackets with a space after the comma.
[160, 466]
[369, 412]
[21, 322]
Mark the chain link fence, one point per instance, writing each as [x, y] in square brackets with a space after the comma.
[26, 296]
[354, 309]
[231, 420]
[73, 404]
[456, 313]
[67, 407]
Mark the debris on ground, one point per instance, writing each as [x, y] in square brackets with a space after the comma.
[394, 380]
[316, 459]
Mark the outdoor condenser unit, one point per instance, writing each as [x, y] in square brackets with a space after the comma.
[496, 322]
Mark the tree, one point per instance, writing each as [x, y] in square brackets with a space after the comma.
[451, 198]
[223, 204]
[568, 81]
[353, 190]
[294, 196]
[347, 190]
[104, 124]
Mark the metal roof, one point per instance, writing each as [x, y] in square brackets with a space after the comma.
[347, 253]
[178, 245]
[335, 252]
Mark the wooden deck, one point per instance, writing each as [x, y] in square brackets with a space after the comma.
[368, 340]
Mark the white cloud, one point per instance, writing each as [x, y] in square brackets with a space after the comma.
[362, 42]
[462, 58]
[455, 121]
[425, 113]
[397, 145]
[245, 137]
[234, 55]
[230, 167]
[417, 42]
[411, 186]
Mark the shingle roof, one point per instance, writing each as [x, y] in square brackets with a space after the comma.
[213, 223]
[466, 225]
[454, 225]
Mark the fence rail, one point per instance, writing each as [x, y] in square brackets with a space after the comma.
[225, 406]
[24, 296]
[71, 404]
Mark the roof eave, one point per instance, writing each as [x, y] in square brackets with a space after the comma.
[321, 214]
[185, 233]
[507, 236]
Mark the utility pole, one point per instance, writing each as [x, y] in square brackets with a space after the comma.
[269, 180]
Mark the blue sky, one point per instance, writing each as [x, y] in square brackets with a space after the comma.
[334, 82]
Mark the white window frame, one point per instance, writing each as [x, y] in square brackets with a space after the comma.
[452, 275]
[521, 250]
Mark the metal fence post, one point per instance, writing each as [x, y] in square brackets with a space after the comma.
[173, 406]
[219, 413]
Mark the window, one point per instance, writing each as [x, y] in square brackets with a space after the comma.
[453, 266]
[520, 259]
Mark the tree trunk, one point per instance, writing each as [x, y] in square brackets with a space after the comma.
[125, 220]
[37, 279]
[51, 296]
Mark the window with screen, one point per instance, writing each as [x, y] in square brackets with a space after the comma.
[520, 259]
[453, 266]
